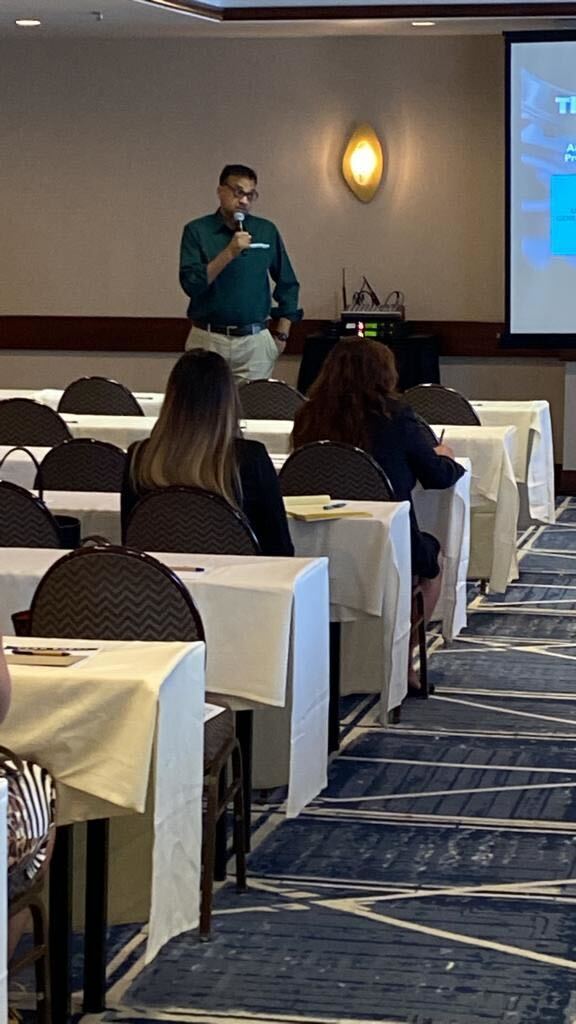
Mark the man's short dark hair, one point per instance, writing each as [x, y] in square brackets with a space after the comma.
[238, 171]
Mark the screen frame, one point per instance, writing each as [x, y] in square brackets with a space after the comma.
[509, 339]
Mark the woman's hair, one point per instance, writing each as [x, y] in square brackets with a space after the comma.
[192, 443]
[354, 387]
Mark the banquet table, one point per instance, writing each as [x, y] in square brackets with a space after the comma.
[367, 567]
[266, 625]
[128, 716]
[124, 430]
[494, 499]
[534, 459]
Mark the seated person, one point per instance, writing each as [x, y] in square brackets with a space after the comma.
[196, 442]
[354, 400]
[30, 821]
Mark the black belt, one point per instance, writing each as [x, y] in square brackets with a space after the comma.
[230, 330]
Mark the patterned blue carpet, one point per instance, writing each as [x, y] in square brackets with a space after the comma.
[434, 881]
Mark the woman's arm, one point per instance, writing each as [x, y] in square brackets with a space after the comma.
[431, 464]
[262, 501]
[5, 685]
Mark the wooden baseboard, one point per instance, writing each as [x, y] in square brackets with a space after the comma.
[456, 338]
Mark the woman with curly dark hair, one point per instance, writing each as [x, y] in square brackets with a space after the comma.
[354, 400]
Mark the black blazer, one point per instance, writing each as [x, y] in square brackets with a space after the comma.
[261, 499]
[404, 447]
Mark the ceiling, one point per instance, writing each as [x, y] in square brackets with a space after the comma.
[126, 19]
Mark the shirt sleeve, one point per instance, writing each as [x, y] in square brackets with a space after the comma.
[193, 265]
[265, 507]
[431, 470]
[287, 286]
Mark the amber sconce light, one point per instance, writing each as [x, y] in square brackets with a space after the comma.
[363, 163]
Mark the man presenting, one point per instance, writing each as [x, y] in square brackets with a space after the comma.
[226, 260]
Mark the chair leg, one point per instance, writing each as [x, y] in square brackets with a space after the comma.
[42, 964]
[422, 647]
[244, 730]
[239, 819]
[208, 856]
[221, 829]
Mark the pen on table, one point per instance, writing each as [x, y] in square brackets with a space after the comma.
[334, 504]
[189, 568]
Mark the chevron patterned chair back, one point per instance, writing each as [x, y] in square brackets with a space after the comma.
[99, 396]
[82, 464]
[25, 522]
[192, 520]
[437, 404]
[112, 593]
[269, 400]
[340, 470]
[23, 421]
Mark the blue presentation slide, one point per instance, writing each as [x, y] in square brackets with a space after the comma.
[563, 214]
[542, 209]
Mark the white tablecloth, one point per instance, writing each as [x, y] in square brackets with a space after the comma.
[446, 515]
[370, 594]
[266, 624]
[534, 461]
[130, 715]
[150, 402]
[494, 498]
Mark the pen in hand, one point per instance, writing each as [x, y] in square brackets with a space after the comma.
[441, 437]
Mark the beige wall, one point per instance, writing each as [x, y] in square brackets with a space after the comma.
[109, 147]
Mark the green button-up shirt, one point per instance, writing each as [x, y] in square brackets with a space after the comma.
[241, 292]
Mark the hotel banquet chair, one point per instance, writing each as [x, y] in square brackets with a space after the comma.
[82, 464]
[113, 593]
[196, 521]
[269, 400]
[337, 469]
[99, 396]
[189, 519]
[350, 474]
[437, 404]
[23, 421]
[25, 522]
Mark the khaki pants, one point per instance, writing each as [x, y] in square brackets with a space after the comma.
[251, 357]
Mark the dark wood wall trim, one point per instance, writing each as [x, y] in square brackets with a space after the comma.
[456, 338]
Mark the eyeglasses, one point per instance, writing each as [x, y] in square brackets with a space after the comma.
[239, 193]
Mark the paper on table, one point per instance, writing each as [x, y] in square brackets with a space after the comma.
[306, 499]
[314, 513]
[211, 710]
[51, 657]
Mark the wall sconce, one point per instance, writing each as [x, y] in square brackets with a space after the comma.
[363, 163]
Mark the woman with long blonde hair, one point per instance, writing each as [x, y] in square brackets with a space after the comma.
[196, 442]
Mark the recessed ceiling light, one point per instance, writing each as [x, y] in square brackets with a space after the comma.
[423, 24]
[27, 22]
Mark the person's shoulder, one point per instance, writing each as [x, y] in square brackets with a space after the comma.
[250, 451]
[199, 223]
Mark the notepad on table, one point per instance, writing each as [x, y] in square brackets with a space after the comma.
[49, 657]
[296, 500]
[315, 513]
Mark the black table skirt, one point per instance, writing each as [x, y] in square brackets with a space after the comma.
[416, 359]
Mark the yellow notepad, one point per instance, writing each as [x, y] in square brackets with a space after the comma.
[306, 499]
[48, 657]
[315, 513]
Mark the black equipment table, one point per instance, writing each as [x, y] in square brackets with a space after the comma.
[416, 356]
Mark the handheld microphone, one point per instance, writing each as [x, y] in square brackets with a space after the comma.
[239, 220]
